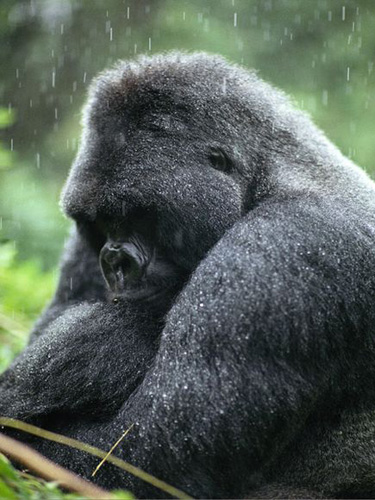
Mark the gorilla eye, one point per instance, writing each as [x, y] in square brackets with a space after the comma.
[220, 161]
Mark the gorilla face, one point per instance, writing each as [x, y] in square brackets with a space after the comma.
[165, 171]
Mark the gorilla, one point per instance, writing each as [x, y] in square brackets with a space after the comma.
[216, 292]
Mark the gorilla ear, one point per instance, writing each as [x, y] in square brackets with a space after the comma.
[220, 161]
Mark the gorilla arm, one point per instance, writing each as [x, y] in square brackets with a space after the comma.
[87, 362]
[272, 318]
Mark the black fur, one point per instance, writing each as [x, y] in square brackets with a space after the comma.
[237, 331]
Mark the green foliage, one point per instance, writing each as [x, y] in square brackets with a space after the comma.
[31, 217]
[25, 290]
[15, 485]
[6, 119]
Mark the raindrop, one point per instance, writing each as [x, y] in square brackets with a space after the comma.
[56, 116]
[31, 103]
[330, 16]
[184, 16]
[110, 34]
[84, 77]
[343, 13]
[53, 77]
[71, 283]
[12, 145]
[127, 12]
[62, 28]
[17, 73]
[38, 160]
[347, 74]
[235, 19]
[325, 97]
[149, 43]
[224, 87]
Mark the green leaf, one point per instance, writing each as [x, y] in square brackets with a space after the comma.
[6, 117]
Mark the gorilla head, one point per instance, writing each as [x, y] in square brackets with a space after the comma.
[167, 163]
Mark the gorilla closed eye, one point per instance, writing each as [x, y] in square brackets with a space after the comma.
[220, 161]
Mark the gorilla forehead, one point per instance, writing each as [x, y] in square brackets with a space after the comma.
[149, 127]
[202, 90]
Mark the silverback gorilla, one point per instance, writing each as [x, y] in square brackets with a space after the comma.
[217, 292]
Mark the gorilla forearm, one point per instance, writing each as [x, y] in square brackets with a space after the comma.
[84, 361]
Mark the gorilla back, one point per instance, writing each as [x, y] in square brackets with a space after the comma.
[217, 292]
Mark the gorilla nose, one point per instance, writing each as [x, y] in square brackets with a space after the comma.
[121, 262]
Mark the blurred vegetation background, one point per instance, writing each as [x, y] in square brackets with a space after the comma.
[321, 52]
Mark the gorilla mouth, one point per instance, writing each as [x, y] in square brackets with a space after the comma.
[132, 271]
[122, 263]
